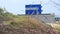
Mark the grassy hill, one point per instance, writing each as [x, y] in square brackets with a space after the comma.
[25, 25]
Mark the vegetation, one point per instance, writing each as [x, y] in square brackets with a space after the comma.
[57, 27]
[1, 11]
[20, 24]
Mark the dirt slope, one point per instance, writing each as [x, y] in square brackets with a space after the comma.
[30, 26]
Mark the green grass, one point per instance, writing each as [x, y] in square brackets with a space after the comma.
[24, 21]
[19, 22]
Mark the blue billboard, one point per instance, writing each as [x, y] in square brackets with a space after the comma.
[33, 9]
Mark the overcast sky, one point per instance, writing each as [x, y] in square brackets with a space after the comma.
[18, 6]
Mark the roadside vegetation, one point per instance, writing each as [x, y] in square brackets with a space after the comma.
[21, 24]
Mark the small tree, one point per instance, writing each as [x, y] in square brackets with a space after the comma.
[1, 11]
